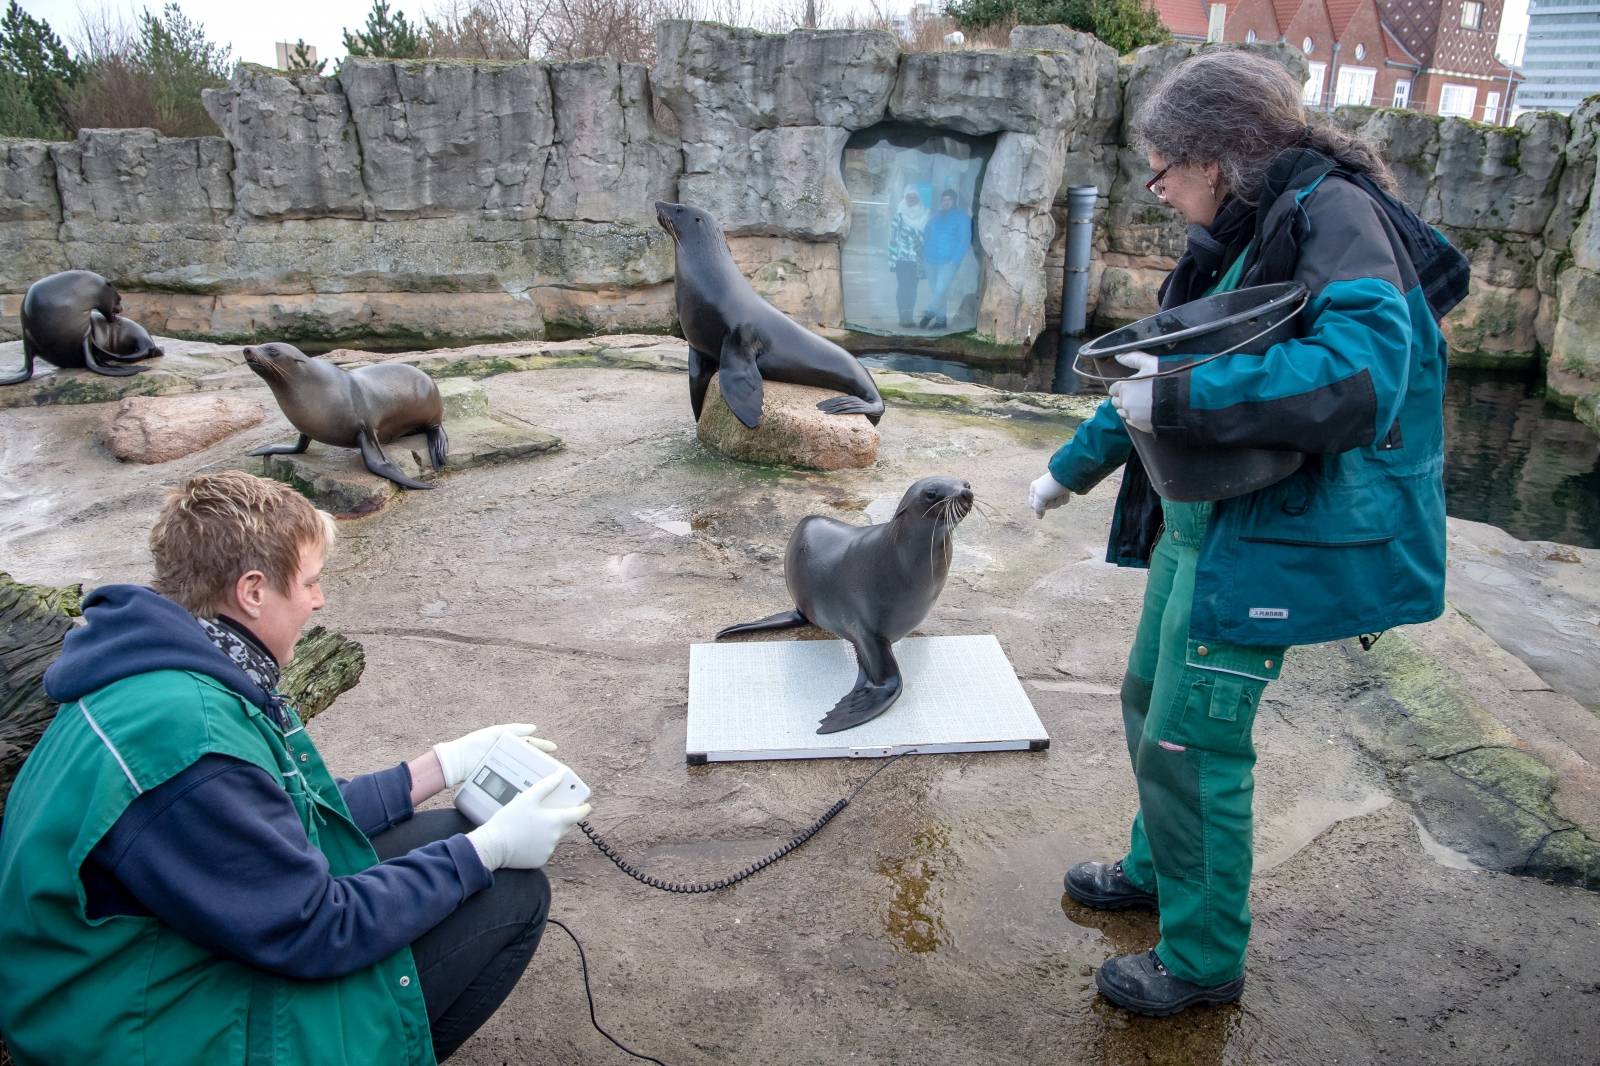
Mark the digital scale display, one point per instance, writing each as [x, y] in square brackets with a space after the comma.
[498, 788]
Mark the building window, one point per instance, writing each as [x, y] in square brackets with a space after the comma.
[1306, 46]
[1361, 52]
[1457, 100]
[1355, 86]
[1472, 14]
[1250, 37]
[1217, 13]
[1402, 94]
[1491, 108]
[1312, 96]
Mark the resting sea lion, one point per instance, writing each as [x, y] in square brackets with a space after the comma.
[729, 327]
[59, 326]
[362, 408]
[870, 585]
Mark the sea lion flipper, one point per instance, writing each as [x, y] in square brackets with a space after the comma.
[878, 685]
[851, 405]
[739, 377]
[98, 367]
[781, 620]
[27, 363]
[438, 446]
[701, 367]
[296, 448]
[380, 464]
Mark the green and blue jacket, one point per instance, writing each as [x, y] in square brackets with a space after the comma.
[1354, 541]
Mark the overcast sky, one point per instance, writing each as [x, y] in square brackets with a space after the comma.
[251, 28]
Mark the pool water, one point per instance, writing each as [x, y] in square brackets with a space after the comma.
[1512, 458]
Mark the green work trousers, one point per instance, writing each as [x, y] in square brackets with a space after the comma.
[1188, 707]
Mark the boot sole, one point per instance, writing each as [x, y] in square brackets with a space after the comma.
[1217, 996]
[1110, 903]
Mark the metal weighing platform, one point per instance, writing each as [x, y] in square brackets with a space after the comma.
[763, 699]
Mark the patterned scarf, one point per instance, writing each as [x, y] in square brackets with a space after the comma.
[246, 652]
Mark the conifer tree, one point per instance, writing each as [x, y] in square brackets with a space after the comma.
[388, 36]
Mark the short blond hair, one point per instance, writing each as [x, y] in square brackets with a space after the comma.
[216, 527]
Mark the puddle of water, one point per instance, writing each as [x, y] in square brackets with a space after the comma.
[913, 918]
[1310, 818]
[674, 520]
[1445, 856]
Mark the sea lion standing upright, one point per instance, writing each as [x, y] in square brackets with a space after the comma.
[362, 408]
[732, 330]
[870, 585]
[59, 326]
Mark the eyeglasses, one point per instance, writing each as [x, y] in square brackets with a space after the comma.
[1150, 186]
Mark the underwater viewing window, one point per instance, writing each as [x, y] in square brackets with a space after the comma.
[911, 264]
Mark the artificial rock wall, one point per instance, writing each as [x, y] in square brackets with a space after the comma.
[439, 200]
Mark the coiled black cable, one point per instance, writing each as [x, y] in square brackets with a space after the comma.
[696, 887]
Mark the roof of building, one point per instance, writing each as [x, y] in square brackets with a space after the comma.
[1286, 10]
[1340, 12]
[1184, 18]
[1394, 51]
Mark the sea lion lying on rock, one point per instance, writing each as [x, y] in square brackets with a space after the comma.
[362, 408]
[870, 585]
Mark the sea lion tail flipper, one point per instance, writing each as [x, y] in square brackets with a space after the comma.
[380, 464]
[852, 405]
[739, 377]
[110, 371]
[700, 370]
[285, 449]
[781, 620]
[438, 446]
[878, 685]
[27, 364]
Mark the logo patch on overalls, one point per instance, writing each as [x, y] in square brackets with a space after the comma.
[1269, 612]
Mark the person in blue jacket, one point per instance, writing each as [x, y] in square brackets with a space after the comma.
[945, 241]
[1351, 544]
[180, 876]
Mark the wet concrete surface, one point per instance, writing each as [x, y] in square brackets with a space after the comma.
[926, 923]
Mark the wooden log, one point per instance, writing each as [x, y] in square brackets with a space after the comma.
[33, 621]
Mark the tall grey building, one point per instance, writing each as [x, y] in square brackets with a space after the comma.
[1562, 60]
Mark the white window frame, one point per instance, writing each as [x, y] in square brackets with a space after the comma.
[1470, 5]
[1316, 77]
[1453, 95]
[1402, 93]
[1250, 37]
[1216, 15]
[1491, 108]
[1346, 92]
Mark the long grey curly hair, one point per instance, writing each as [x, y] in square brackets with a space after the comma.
[1239, 109]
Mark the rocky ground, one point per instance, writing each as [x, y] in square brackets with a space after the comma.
[1397, 789]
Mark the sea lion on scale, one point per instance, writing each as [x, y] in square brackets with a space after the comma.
[870, 585]
[74, 320]
[363, 408]
[731, 329]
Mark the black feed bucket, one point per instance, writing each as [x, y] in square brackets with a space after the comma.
[1240, 323]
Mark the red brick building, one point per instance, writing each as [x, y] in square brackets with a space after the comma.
[1431, 55]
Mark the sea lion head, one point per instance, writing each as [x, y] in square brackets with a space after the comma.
[120, 338]
[278, 363]
[940, 501]
[690, 227]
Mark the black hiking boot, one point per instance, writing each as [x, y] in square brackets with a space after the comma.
[1096, 884]
[1141, 984]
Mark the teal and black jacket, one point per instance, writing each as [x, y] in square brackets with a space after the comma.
[1353, 542]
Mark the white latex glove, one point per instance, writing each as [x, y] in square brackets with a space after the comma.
[1134, 398]
[458, 757]
[522, 834]
[1046, 493]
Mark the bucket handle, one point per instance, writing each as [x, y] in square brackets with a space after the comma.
[1077, 361]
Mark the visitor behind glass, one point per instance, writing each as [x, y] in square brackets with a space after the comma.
[905, 253]
[944, 246]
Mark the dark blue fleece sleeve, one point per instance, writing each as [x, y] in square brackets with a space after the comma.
[379, 800]
[219, 854]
